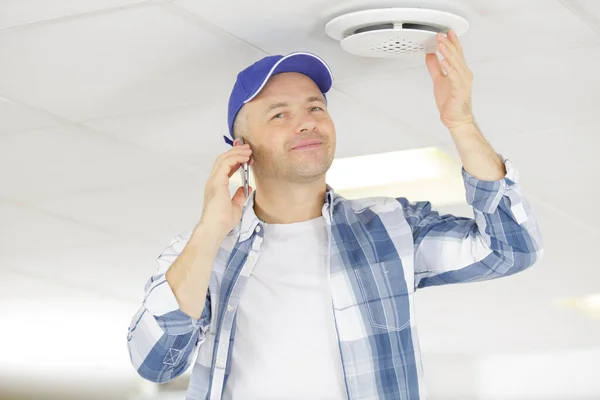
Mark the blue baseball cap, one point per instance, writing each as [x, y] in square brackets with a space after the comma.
[253, 79]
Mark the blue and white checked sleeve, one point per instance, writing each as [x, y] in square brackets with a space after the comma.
[162, 339]
[503, 238]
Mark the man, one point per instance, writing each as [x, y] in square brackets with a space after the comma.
[298, 293]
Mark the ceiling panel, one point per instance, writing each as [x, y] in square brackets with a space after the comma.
[194, 134]
[17, 287]
[17, 12]
[183, 131]
[514, 27]
[407, 95]
[568, 155]
[510, 97]
[14, 117]
[57, 162]
[578, 204]
[156, 210]
[26, 230]
[586, 10]
[363, 129]
[204, 162]
[558, 168]
[497, 318]
[90, 268]
[498, 29]
[128, 60]
[283, 29]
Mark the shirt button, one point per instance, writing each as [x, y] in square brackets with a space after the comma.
[220, 364]
[257, 229]
[229, 307]
[250, 258]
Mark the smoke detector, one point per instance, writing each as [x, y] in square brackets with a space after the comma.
[393, 32]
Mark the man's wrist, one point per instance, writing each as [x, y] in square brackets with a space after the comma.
[208, 236]
[464, 128]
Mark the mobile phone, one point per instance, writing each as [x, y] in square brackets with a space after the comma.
[245, 174]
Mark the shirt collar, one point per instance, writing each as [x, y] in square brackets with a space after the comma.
[250, 221]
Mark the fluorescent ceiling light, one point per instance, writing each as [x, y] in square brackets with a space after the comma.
[592, 302]
[388, 168]
[417, 174]
[588, 305]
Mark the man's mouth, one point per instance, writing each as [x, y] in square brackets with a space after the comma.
[307, 144]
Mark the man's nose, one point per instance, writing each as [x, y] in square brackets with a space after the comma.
[307, 124]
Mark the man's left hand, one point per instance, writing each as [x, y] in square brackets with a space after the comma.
[452, 89]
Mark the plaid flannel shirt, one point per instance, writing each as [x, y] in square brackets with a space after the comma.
[381, 250]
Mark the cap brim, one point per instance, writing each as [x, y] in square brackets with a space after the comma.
[305, 63]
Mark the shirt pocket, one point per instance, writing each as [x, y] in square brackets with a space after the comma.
[385, 294]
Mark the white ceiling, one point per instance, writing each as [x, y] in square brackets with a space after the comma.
[112, 112]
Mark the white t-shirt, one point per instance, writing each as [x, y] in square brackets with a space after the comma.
[285, 342]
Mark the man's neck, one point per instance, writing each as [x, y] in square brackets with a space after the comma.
[284, 203]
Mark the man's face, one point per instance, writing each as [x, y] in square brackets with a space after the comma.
[289, 129]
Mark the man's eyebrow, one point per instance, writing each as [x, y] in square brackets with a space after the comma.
[276, 105]
[311, 99]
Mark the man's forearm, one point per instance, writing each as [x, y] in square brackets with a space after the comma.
[189, 275]
[478, 157]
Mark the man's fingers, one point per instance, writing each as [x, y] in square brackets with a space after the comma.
[455, 41]
[445, 40]
[451, 53]
[451, 72]
[235, 152]
[433, 65]
[227, 166]
[232, 164]
[229, 163]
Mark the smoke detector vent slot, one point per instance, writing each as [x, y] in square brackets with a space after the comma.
[374, 28]
[422, 27]
[393, 32]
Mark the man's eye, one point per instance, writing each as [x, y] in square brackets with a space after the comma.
[317, 108]
[277, 116]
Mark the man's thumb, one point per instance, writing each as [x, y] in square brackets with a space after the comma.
[433, 65]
